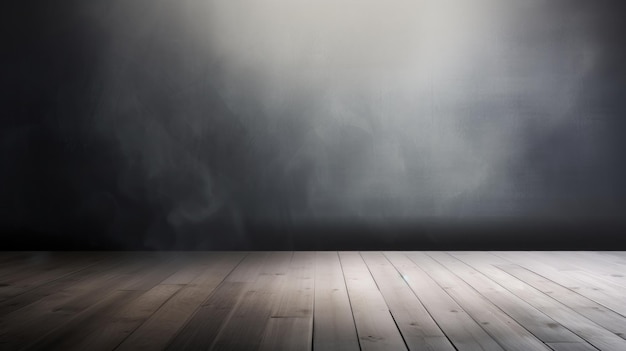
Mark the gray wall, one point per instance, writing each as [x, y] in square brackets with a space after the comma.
[164, 124]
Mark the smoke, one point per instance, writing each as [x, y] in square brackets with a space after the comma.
[410, 110]
[341, 111]
[177, 122]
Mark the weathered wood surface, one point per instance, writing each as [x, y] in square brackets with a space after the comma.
[313, 301]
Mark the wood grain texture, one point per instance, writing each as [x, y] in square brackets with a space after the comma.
[245, 328]
[418, 328]
[312, 301]
[502, 328]
[162, 326]
[334, 327]
[374, 323]
[291, 324]
[557, 310]
[464, 332]
[539, 324]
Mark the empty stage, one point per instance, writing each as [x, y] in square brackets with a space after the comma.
[320, 300]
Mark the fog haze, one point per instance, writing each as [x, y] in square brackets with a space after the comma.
[180, 121]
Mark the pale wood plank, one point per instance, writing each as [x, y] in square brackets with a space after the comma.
[202, 329]
[569, 276]
[504, 329]
[90, 273]
[375, 325]
[65, 336]
[617, 256]
[291, 325]
[285, 334]
[45, 272]
[302, 300]
[23, 265]
[190, 266]
[597, 264]
[24, 326]
[162, 266]
[11, 257]
[252, 267]
[334, 328]
[586, 329]
[565, 346]
[419, 330]
[87, 328]
[297, 300]
[582, 305]
[460, 328]
[534, 320]
[594, 271]
[108, 332]
[245, 327]
[161, 327]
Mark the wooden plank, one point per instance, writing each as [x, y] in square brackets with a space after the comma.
[297, 299]
[618, 256]
[570, 346]
[567, 275]
[202, 329]
[504, 329]
[190, 266]
[586, 329]
[334, 327]
[89, 273]
[374, 324]
[597, 266]
[26, 325]
[595, 272]
[418, 329]
[245, 327]
[139, 268]
[162, 266]
[535, 321]
[10, 257]
[252, 266]
[460, 328]
[108, 332]
[89, 324]
[64, 337]
[582, 305]
[291, 324]
[162, 326]
[303, 300]
[46, 272]
[23, 265]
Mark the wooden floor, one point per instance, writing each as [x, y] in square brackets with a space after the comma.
[313, 300]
